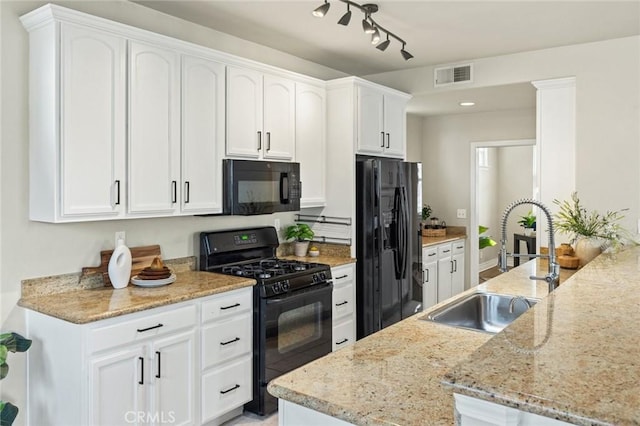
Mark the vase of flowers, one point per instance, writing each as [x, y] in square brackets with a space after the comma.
[590, 231]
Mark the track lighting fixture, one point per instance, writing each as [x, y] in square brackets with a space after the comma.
[382, 46]
[375, 37]
[322, 10]
[346, 17]
[406, 55]
[369, 25]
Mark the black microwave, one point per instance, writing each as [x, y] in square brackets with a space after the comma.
[260, 187]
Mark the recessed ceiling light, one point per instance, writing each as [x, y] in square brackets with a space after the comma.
[467, 103]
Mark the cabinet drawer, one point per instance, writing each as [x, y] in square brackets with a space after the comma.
[227, 304]
[141, 328]
[226, 388]
[343, 335]
[458, 247]
[342, 301]
[429, 254]
[343, 274]
[444, 250]
[227, 339]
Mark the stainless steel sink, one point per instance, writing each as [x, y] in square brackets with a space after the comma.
[488, 312]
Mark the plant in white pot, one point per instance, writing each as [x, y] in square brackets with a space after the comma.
[590, 231]
[302, 234]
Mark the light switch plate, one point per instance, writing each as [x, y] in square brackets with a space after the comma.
[462, 213]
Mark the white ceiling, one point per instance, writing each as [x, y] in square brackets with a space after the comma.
[436, 32]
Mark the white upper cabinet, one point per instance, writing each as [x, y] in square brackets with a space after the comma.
[244, 113]
[77, 168]
[311, 143]
[279, 118]
[260, 115]
[203, 117]
[381, 122]
[154, 129]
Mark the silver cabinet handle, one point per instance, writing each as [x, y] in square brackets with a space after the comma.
[259, 140]
[268, 141]
[388, 140]
[382, 144]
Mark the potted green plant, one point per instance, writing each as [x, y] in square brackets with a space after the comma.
[591, 232]
[9, 342]
[301, 234]
[484, 240]
[528, 222]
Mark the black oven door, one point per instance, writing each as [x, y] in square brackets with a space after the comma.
[297, 330]
[260, 187]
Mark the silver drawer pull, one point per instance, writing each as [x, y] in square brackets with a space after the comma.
[431, 254]
[341, 277]
[142, 330]
[342, 303]
[230, 341]
[230, 389]
[230, 306]
[342, 341]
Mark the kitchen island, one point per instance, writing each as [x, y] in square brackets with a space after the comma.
[586, 372]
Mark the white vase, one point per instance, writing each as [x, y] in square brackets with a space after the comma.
[587, 249]
[300, 248]
[120, 266]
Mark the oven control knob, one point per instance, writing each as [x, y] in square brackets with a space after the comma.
[277, 288]
[323, 276]
[285, 286]
[316, 278]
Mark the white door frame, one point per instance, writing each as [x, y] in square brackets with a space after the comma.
[474, 251]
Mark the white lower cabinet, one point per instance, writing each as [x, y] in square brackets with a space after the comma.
[227, 332]
[344, 309]
[442, 271]
[429, 277]
[158, 366]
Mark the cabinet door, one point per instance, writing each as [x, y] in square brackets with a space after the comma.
[118, 387]
[311, 144]
[244, 113]
[429, 277]
[203, 113]
[457, 277]
[394, 126]
[92, 131]
[154, 129]
[173, 370]
[371, 137]
[279, 118]
[445, 267]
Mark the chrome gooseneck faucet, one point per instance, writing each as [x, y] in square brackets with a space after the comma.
[553, 276]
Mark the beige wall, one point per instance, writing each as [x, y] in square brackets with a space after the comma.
[414, 138]
[607, 113]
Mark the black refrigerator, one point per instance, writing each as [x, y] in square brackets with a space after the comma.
[388, 242]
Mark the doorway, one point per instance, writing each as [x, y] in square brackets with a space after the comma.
[502, 171]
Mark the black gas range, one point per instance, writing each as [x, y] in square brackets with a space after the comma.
[292, 303]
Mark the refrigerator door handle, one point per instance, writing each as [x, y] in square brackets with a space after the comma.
[397, 208]
[405, 231]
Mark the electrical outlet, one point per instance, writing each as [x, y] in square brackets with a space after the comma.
[462, 213]
[120, 235]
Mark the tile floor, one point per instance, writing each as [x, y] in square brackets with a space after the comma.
[250, 419]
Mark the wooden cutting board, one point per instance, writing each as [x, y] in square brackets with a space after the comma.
[141, 257]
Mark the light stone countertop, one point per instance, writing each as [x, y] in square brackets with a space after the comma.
[88, 305]
[575, 356]
[326, 259]
[587, 372]
[432, 241]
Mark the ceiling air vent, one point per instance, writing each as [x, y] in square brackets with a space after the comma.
[452, 75]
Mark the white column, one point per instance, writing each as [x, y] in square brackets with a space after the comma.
[556, 144]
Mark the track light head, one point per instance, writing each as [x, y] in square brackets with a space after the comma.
[321, 10]
[375, 37]
[366, 26]
[346, 18]
[382, 46]
[406, 55]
